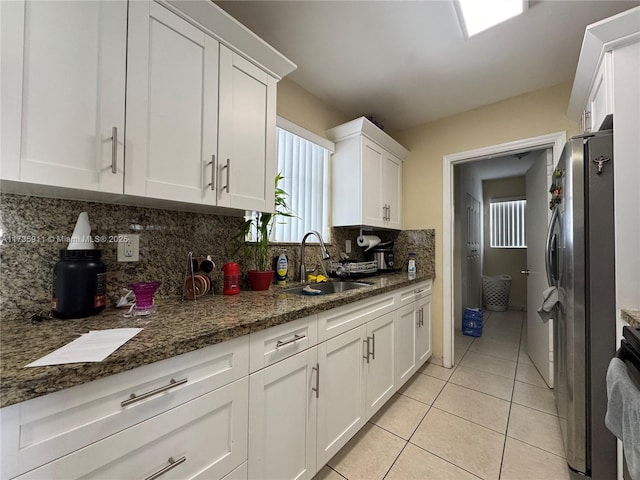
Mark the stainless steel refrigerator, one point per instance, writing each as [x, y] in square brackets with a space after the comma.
[580, 263]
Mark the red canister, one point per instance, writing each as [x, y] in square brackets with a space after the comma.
[231, 278]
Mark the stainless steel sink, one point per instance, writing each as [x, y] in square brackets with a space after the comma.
[329, 287]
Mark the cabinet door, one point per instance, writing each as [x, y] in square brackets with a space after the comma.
[373, 158]
[423, 332]
[392, 191]
[406, 326]
[172, 88]
[601, 95]
[380, 360]
[204, 438]
[341, 401]
[63, 86]
[246, 143]
[282, 419]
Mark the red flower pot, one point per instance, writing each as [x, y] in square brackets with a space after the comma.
[260, 280]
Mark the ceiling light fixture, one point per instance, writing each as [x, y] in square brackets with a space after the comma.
[475, 16]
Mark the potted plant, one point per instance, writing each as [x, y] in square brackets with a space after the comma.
[255, 234]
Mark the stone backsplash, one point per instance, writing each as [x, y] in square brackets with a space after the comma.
[33, 229]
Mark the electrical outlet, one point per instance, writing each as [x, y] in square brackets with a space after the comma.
[129, 249]
[347, 246]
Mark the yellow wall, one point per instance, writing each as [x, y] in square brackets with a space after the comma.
[529, 115]
[304, 109]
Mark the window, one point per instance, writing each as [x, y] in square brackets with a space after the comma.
[304, 164]
[476, 16]
[507, 223]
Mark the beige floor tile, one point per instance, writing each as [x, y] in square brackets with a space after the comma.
[496, 348]
[327, 474]
[484, 382]
[401, 415]
[471, 447]
[523, 357]
[415, 463]
[524, 462]
[485, 410]
[436, 371]
[436, 360]
[501, 334]
[423, 388]
[535, 428]
[539, 398]
[529, 374]
[490, 364]
[368, 455]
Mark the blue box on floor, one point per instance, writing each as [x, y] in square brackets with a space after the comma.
[472, 322]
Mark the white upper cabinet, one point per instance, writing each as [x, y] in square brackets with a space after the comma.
[172, 103]
[366, 176]
[247, 134]
[63, 90]
[200, 112]
[600, 102]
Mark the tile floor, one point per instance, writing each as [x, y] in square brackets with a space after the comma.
[490, 417]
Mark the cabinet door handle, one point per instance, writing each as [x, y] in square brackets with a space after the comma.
[366, 349]
[388, 213]
[213, 173]
[133, 398]
[317, 389]
[422, 316]
[373, 343]
[172, 464]
[228, 167]
[114, 150]
[296, 337]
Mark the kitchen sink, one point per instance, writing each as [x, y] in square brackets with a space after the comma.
[329, 287]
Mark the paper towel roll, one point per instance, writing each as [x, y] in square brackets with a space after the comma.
[368, 241]
[81, 236]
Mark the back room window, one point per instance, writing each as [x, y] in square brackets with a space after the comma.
[507, 225]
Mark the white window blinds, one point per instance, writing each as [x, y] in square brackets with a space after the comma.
[305, 168]
[507, 224]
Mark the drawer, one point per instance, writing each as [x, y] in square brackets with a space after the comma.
[342, 319]
[269, 346]
[206, 438]
[48, 427]
[413, 293]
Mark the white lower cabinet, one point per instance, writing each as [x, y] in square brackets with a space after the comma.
[203, 438]
[406, 329]
[282, 419]
[341, 401]
[380, 362]
[423, 330]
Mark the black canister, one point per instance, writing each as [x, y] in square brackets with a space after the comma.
[79, 284]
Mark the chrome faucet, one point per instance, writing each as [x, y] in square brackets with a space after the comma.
[323, 249]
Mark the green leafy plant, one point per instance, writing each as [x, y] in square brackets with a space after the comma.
[256, 230]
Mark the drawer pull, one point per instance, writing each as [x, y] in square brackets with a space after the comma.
[172, 464]
[419, 291]
[317, 389]
[213, 173]
[366, 349]
[114, 150]
[373, 342]
[133, 398]
[296, 337]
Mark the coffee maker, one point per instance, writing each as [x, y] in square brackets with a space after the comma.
[383, 256]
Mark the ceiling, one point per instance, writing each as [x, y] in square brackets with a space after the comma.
[408, 63]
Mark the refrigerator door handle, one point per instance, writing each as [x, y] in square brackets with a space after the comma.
[550, 250]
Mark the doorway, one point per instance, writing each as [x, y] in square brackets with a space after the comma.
[452, 291]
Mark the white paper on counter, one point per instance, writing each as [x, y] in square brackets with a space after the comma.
[94, 346]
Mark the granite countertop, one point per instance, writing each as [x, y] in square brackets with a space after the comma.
[177, 327]
[632, 317]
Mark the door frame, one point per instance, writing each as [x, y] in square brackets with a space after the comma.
[555, 141]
